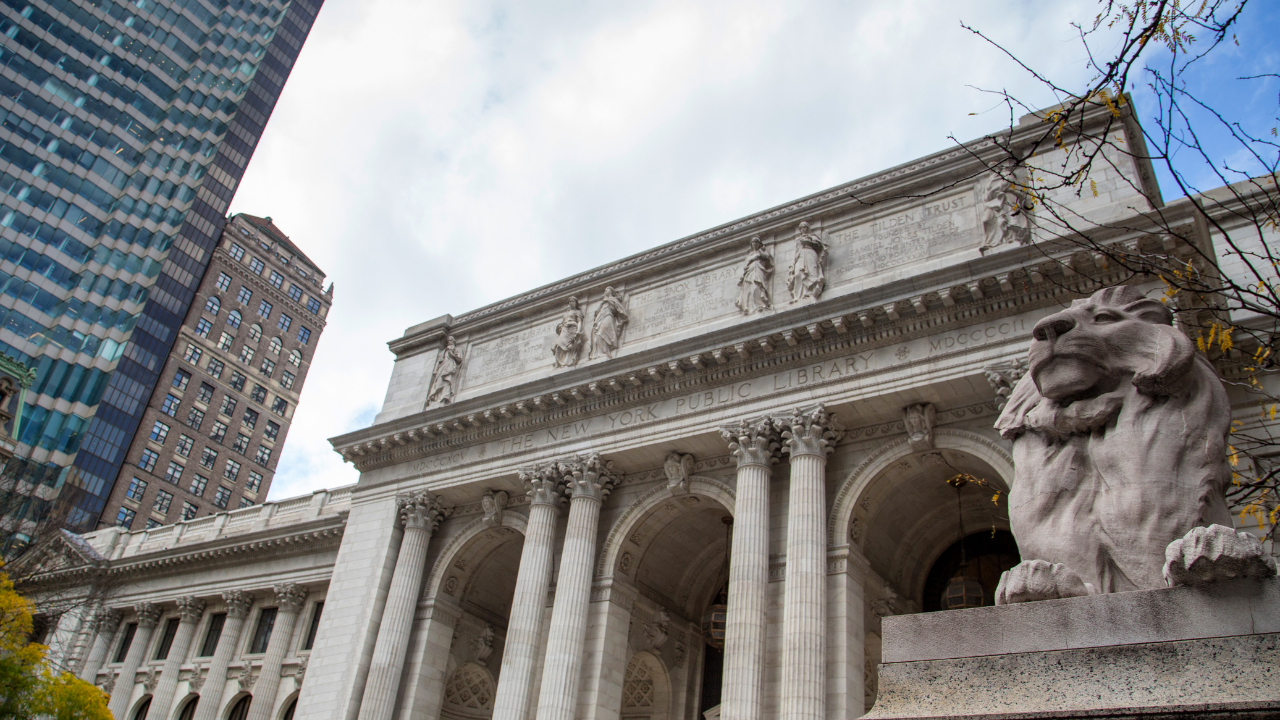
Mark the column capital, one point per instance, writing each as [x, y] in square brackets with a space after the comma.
[811, 432]
[106, 620]
[421, 510]
[237, 602]
[148, 614]
[588, 476]
[753, 443]
[543, 483]
[190, 608]
[289, 596]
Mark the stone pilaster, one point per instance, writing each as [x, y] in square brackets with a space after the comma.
[190, 610]
[289, 601]
[755, 447]
[148, 616]
[420, 513]
[588, 481]
[105, 624]
[809, 436]
[238, 604]
[524, 627]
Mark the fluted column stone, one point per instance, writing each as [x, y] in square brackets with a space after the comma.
[808, 437]
[289, 601]
[755, 447]
[533, 579]
[190, 610]
[148, 616]
[420, 513]
[215, 683]
[588, 481]
[105, 624]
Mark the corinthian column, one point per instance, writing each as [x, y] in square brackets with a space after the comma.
[588, 482]
[755, 447]
[809, 437]
[524, 627]
[215, 682]
[104, 627]
[148, 616]
[189, 610]
[420, 513]
[289, 600]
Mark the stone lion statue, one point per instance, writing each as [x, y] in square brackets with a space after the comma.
[1119, 433]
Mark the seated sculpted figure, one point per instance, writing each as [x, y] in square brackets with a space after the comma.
[1119, 433]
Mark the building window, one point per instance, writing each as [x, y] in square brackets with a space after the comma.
[237, 252]
[315, 625]
[215, 368]
[170, 405]
[286, 380]
[246, 354]
[210, 644]
[189, 511]
[263, 456]
[237, 380]
[203, 327]
[254, 482]
[221, 497]
[200, 483]
[205, 393]
[192, 354]
[173, 473]
[304, 335]
[195, 417]
[226, 341]
[137, 487]
[313, 305]
[166, 639]
[284, 322]
[295, 358]
[229, 403]
[208, 457]
[231, 472]
[224, 281]
[279, 406]
[181, 378]
[159, 432]
[276, 346]
[272, 431]
[264, 309]
[152, 524]
[184, 445]
[219, 431]
[241, 445]
[255, 333]
[233, 319]
[276, 279]
[259, 394]
[244, 503]
[148, 460]
[245, 295]
[256, 266]
[123, 650]
[213, 304]
[125, 517]
[250, 419]
[295, 292]
[262, 633]
[163, 500]
[267, 367]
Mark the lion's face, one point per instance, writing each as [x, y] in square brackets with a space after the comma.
[1095, 344]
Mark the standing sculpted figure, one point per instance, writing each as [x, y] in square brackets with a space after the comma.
[1004, 212]
[610, 320]
[568, 346]
[753, 286]
[807, 279]
[1119, 433]
[444, 379]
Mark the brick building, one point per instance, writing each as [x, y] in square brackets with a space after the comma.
[215, 426]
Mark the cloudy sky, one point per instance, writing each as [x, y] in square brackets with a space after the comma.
[434, 156]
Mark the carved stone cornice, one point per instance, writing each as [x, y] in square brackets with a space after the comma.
[753, 443]
[190, 608]
[237, 602]
[148, 614]
[420, 510]
[290, 596]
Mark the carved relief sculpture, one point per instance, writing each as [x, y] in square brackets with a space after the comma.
[807, 277]
[568, 346]
[656, 631]
[753, 286]
[609, 323]
[494, 505]
[444, 379]
[1004, 207]
[678, 468]
[919, 421]
[1103, 486]
[1003, 376]
[482, 644]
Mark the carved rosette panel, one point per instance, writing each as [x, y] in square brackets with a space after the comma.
[290, 596]
[238, 603]
[190, 608]
[148, 614]
[812, 432]
[753, 443]
[420, 510]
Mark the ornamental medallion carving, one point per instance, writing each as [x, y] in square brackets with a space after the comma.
[608, 325]
[753, 285]
[444, 377]
[807, 277]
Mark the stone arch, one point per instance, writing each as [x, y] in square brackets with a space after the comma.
[646, 689]
[465, 542]
[642, 507]
[468, 693]
[238, 708]
[186, 707]
[283, 711]
[853, 486]
[140, 708]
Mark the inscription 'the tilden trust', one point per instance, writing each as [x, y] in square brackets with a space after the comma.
[849, 368]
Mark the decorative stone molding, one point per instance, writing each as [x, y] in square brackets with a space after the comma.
[544, 483]
[289, 596]
[919, 421]
[246, 678]
[420, 510]
[655, 632]
[237, 602]
[190, 608]
[588, 476]
[107, 683]
[1003, 376]
[148, 614]
[812, 432]
[106, 620]
[199, 674]
[300, 672]
[494, 504]
[753, 443]
[149, 678]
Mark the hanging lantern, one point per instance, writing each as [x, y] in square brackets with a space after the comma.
[962, 592]
[713, 624]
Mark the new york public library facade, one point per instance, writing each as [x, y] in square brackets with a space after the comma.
[539, 529]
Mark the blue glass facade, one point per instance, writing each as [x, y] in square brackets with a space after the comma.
[124, 130]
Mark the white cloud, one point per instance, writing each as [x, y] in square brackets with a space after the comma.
[437, 156]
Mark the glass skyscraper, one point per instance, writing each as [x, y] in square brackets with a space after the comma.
[125, 128]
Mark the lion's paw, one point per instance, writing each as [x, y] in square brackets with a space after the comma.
[1033, 580]
[1209, 554]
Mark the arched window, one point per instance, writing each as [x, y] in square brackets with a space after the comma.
[276, 346]
[189, 710]
[213, 305]
[295, 358]
[141, 712]
[255, 332]
[233, 318]
[288, 712]
[240, 710]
